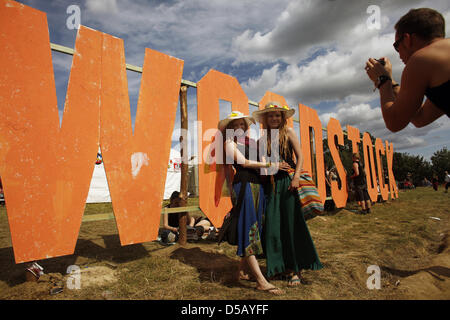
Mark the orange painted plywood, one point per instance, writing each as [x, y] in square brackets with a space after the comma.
[212, 87]
[369, 167]
[379, 150]
[309, 118]
[339, 196]
[46, 170]
[390, 160]
[354, 136]
[136, 163]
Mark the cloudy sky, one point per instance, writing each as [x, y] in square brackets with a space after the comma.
[310, 52]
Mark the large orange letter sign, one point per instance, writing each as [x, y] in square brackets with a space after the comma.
[379, 149]
[46, 170]
[136, 164]
[354, 137]
[212, 87]
[390, 160]
[369, 167]
[310, 119]
[339, 195]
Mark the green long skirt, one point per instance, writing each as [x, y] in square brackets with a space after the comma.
[288, 243]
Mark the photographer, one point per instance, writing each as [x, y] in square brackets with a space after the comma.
[420, 42]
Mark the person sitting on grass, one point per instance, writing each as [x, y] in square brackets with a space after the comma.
[171, 222]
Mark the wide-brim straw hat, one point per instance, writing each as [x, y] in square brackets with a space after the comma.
[234, 115]
[273, 106]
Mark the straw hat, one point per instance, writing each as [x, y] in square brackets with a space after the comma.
[273, 106]
[234, 115]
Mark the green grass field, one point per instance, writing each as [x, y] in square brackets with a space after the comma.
[399, 236]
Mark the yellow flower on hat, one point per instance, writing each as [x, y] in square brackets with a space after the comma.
[273, 106]
[234, 115]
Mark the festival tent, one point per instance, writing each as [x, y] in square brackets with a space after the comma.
[99, 191]
[173, 178]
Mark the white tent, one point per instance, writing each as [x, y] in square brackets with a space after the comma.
[99, 191]
[173, 178]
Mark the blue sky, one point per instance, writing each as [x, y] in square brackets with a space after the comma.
[310, 52]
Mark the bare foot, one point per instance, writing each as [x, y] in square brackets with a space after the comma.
[271, 289]
[243, 275]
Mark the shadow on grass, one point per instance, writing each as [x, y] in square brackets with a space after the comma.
[14, 274]
[212, 267]
[435, 271]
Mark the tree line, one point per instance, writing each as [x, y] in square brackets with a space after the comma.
[404, 164]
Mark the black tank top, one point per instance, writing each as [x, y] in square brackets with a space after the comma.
[243, 174]
[360, 180]
[440, 96]
[173, 219]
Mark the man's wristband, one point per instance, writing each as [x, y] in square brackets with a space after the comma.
[382, 79]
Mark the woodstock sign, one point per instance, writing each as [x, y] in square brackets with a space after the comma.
[46, 169]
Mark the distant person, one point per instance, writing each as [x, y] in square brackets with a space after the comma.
[426, 182]
[360, 183]
[171, 222]
[435, 182]
[447, 181]
[421, 44]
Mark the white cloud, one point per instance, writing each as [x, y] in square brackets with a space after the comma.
[102, 6]
[325, 48]
[308, 51]
[198, 30]
[256, 87]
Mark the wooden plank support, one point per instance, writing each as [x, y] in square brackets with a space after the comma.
[184, 165]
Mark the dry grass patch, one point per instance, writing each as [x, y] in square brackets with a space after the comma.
[399, 236]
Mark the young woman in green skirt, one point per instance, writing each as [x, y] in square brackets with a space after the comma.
[288, 245]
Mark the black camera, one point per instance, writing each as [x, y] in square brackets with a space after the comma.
[381, 61]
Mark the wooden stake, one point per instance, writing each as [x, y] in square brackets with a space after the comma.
[184, 165]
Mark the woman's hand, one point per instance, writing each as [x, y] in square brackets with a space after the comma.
[295, 183]
[283, 166]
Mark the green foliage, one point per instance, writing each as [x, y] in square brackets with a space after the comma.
[403, 163]
[441, 162]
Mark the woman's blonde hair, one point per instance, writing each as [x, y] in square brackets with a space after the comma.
[282, 134]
